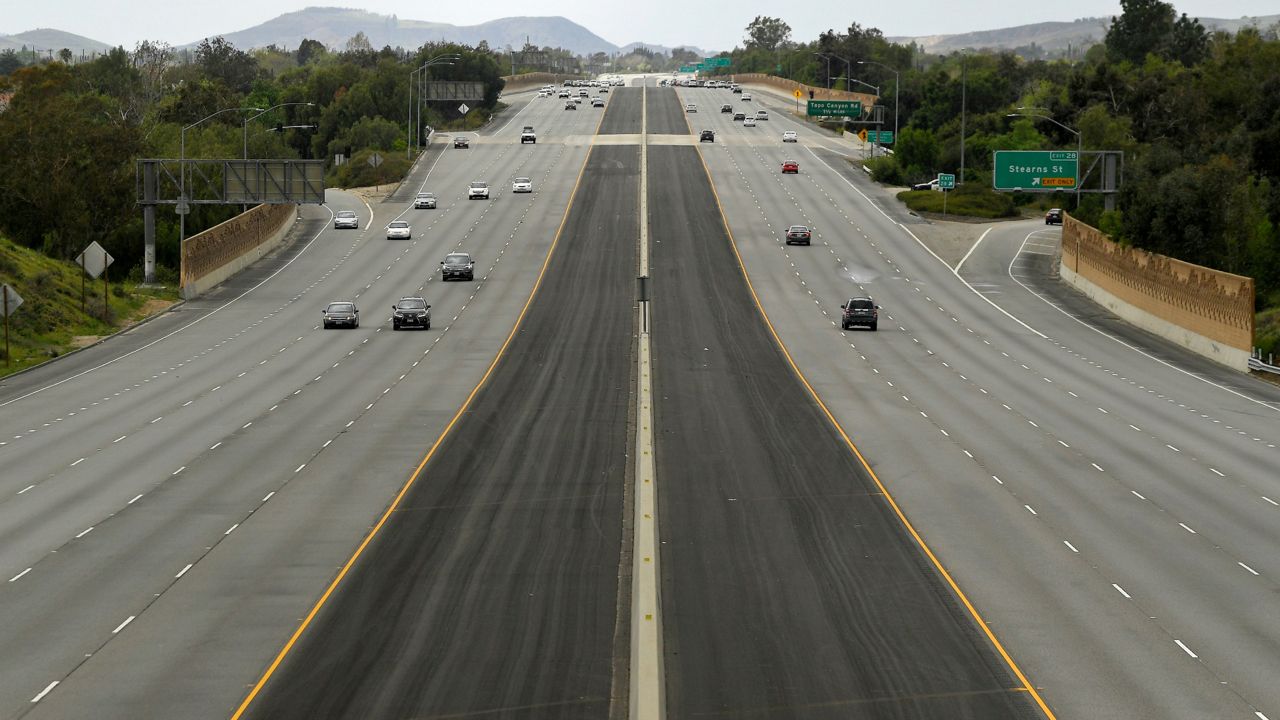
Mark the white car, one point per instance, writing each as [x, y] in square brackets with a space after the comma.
[478, 191]
[746, 97]
[399, 230]
[762, 115]
[749, 122]
[425, 201]
[346, 219]
[691, 108]
[522, 185]
[790, 136]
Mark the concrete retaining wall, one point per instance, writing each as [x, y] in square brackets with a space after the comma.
[790, 86]
[216, 254]
[527, 80]
[1207, 311]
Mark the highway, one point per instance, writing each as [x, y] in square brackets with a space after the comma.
[229, 511]
[1104, 499]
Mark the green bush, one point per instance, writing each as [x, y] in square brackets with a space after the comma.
[1266, 332]
[886, 170]
[357, 172]
[971, 200]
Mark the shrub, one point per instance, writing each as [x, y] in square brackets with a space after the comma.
[971, 200]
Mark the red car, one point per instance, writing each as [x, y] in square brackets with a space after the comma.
[790, 166]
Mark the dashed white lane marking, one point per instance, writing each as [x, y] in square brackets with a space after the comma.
[1186, 649]
[48, 688]
[1070, 546]
[122, 625]
[18, 577]
[84, 532]
[1188, 528]
[231, 529]
[1246, 567]
[1121, 591]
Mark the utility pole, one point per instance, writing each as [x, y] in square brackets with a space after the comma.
[964, 84]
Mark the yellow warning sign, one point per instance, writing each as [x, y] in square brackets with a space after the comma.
[862, 135]
[797, 93]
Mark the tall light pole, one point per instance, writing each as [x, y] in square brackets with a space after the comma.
[1079, 141]
[964, 91]
[441, 59]
[848, 70]
[895, 93]
[183, 206]
[828, 59]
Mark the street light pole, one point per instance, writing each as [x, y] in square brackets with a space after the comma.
[895, 93]
[964, 84]
[415, 127]
[848, 71]
[1079, 142]
[824, 56]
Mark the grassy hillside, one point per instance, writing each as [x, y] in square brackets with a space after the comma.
[50, 322]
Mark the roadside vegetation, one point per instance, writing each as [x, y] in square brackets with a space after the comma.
[51, 322]
[1196, 114]
[71, 134]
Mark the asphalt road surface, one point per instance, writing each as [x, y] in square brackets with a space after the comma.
[175, 501]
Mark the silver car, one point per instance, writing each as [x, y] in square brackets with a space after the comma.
[522, 185]
[346, 219]
[479, 190]
[425, 201]
[399, 230]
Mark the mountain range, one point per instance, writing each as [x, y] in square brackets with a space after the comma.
[334, 26]
[1055, 36]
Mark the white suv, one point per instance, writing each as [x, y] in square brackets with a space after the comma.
[690, 108]
[478, 191]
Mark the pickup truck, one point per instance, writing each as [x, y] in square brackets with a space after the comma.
[528, 135]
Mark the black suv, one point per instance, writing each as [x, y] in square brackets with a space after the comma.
[707, 136]
[1053, 217]
[411, 312]
[457, 265]
[859, 311]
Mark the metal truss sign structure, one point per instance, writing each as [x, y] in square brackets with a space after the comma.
[452, 90]
[230, 182]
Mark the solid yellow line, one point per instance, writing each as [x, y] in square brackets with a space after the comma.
[306, 622]
[973, 611]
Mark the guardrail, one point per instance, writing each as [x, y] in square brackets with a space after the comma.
[1256, 363]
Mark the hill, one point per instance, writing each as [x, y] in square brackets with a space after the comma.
[50, 322]
[1054, 37]
[334, 26]
[45, 39]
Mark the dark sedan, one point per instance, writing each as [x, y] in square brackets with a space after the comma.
[341, 314]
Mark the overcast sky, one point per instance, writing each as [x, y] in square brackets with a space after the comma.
[711, 24]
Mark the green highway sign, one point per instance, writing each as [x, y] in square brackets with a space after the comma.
[834, 108]
[946, 181]
[723, 61]
[884, 137]
[1035, 170]
[686, 68]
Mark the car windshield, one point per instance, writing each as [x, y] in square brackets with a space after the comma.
[522, 180]
[799, 228]
[346, 214]
[342, 307]
[861, 304]
[399, 224]
[413, 304]
[457, 259]
[479, 185]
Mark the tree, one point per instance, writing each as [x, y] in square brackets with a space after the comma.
[220, 60]
[917, 151]
[1141, 28]
[9, 62]
[766, 33]
[65, 56]
[1188, 42]
[359, 43]
[309, 50]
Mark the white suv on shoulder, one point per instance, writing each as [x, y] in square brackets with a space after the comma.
[479, 190]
